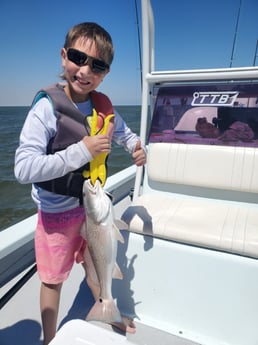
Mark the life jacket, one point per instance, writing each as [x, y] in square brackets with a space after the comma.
[72, 126]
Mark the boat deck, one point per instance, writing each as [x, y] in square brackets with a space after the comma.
[20, 317]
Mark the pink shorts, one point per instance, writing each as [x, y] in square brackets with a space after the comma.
[58, 244]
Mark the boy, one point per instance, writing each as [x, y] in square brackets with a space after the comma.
[55, 150]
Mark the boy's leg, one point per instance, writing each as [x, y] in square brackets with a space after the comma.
[49, 305]
[57, 242]
[127, 325]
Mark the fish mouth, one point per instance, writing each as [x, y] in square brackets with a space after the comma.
[97, 205]
[92, 192]
[95, 189]
[92, 189]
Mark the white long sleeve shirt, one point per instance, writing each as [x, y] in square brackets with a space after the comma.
[33, 164]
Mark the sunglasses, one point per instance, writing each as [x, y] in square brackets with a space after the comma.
[82, 59]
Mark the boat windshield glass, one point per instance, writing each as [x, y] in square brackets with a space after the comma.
[212, 113]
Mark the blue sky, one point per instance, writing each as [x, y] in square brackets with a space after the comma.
[189, 34]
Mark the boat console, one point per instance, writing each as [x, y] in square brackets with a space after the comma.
[202, 158]
[194, 225]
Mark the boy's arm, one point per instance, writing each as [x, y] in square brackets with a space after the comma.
[139, 154]
[32, 164]
[123, 135]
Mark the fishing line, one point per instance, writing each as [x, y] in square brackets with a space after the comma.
[234, 41]
[139, 39]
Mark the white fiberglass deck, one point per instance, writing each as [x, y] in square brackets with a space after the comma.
[20, 318]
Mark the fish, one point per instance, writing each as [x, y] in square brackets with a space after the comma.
[102, 235]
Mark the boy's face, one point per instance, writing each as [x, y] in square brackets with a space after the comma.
[82, 79]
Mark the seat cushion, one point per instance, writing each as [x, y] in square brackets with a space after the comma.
[219, 224]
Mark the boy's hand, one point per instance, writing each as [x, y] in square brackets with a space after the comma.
[97, 144]
[139, 155]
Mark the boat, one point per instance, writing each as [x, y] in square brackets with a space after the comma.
[190, 257]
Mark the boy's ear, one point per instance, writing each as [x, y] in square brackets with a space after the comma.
[108, 70]
[63, 55]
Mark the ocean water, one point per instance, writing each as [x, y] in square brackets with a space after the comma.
[15, 199]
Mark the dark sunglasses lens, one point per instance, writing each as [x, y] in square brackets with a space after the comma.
[77, 57]
[80, 59]
[98, 66]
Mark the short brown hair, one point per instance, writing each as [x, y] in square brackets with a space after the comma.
[97, 34]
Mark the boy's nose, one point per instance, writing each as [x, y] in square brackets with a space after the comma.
[86, 69]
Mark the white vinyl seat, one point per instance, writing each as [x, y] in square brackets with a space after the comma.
[200, 195]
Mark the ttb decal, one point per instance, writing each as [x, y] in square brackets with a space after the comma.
[214, 98]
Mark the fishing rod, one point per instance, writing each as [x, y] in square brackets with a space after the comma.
[255, 54]
[138, 35]
[235, 35]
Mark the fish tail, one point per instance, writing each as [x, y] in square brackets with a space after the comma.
[104, 310]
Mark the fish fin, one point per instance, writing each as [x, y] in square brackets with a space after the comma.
[118, 234]
[117, 274]
[104, 310]
[121, 224]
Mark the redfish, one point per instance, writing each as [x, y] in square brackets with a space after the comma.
[102, 235]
